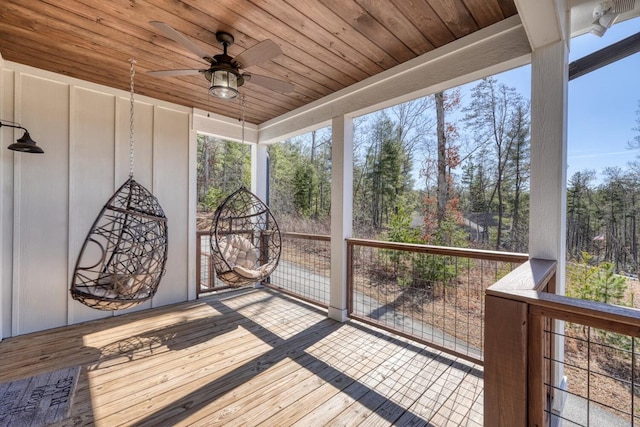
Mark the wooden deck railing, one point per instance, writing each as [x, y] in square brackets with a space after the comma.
[304, 268]
[432, 294]
[206, 280]
[521, 361]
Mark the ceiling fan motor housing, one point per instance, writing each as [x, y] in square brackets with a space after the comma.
[223, 72]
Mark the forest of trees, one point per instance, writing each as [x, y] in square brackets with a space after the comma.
[430, 170]
[443, 169]
[223, 166]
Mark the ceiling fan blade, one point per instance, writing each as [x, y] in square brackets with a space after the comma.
[168, 31]
[270, 83]
[164, 73]
[262, 52]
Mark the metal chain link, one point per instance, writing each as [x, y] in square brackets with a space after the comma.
[131, 150]
[242, 102]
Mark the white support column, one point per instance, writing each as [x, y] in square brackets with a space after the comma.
[260, 177]
[5, 209]
[341, 212]
[259, 171]
[547, 228]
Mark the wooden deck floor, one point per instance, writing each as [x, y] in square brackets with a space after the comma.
[247, 358]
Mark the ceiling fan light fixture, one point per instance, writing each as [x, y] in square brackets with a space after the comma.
[225, 73]
[224, 84]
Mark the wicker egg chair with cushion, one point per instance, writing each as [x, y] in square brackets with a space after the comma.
[245, 240]
[124, 255]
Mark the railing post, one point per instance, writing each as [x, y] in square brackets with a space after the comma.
[514, 352]
[505, 366]
[211, 273]
[198, 264]
[349, 278]
[537, 372]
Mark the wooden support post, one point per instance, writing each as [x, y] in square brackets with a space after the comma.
[505, 368]
[537, 372]
[198, 265]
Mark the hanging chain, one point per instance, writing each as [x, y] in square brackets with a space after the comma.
[131, 151]
[243, 104]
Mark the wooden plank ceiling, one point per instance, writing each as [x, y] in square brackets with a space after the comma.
[327, 44]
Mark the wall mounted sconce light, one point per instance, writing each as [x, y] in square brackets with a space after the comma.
[23, 144]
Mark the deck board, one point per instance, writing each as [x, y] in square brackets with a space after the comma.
[251, 357]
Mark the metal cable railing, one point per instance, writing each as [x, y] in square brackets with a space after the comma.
[206, 280]
[432, 294]
[304, 268]
[601, 376]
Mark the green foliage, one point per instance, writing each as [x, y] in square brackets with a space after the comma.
[602, 284]
[382, 173]
[300, 179]
[595, 283]
[305, 182]
[213, 198]
[610, 286]
[414, 270]
[429, 271]
[400, 229]
[449, 233]
[222, 168]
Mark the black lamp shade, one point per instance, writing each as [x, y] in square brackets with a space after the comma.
[26, 145]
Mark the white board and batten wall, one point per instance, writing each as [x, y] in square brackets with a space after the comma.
[49, 201]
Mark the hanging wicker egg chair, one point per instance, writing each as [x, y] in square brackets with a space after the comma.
[124, 255]
[245, 239]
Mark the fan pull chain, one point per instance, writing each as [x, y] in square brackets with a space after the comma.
[131, 149]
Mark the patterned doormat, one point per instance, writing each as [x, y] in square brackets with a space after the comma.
[38, 401]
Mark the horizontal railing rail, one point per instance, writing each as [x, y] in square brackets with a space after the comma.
[432, 294]
[306, 236]
[613, 318]
[442, 250]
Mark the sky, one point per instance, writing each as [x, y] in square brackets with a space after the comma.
[602, 104]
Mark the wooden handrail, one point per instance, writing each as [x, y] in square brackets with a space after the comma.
[525, 284]
[442, 250]
[614, 318]
[322, 237]
[532, 275]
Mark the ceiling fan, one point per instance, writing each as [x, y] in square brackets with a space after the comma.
[224, 72]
